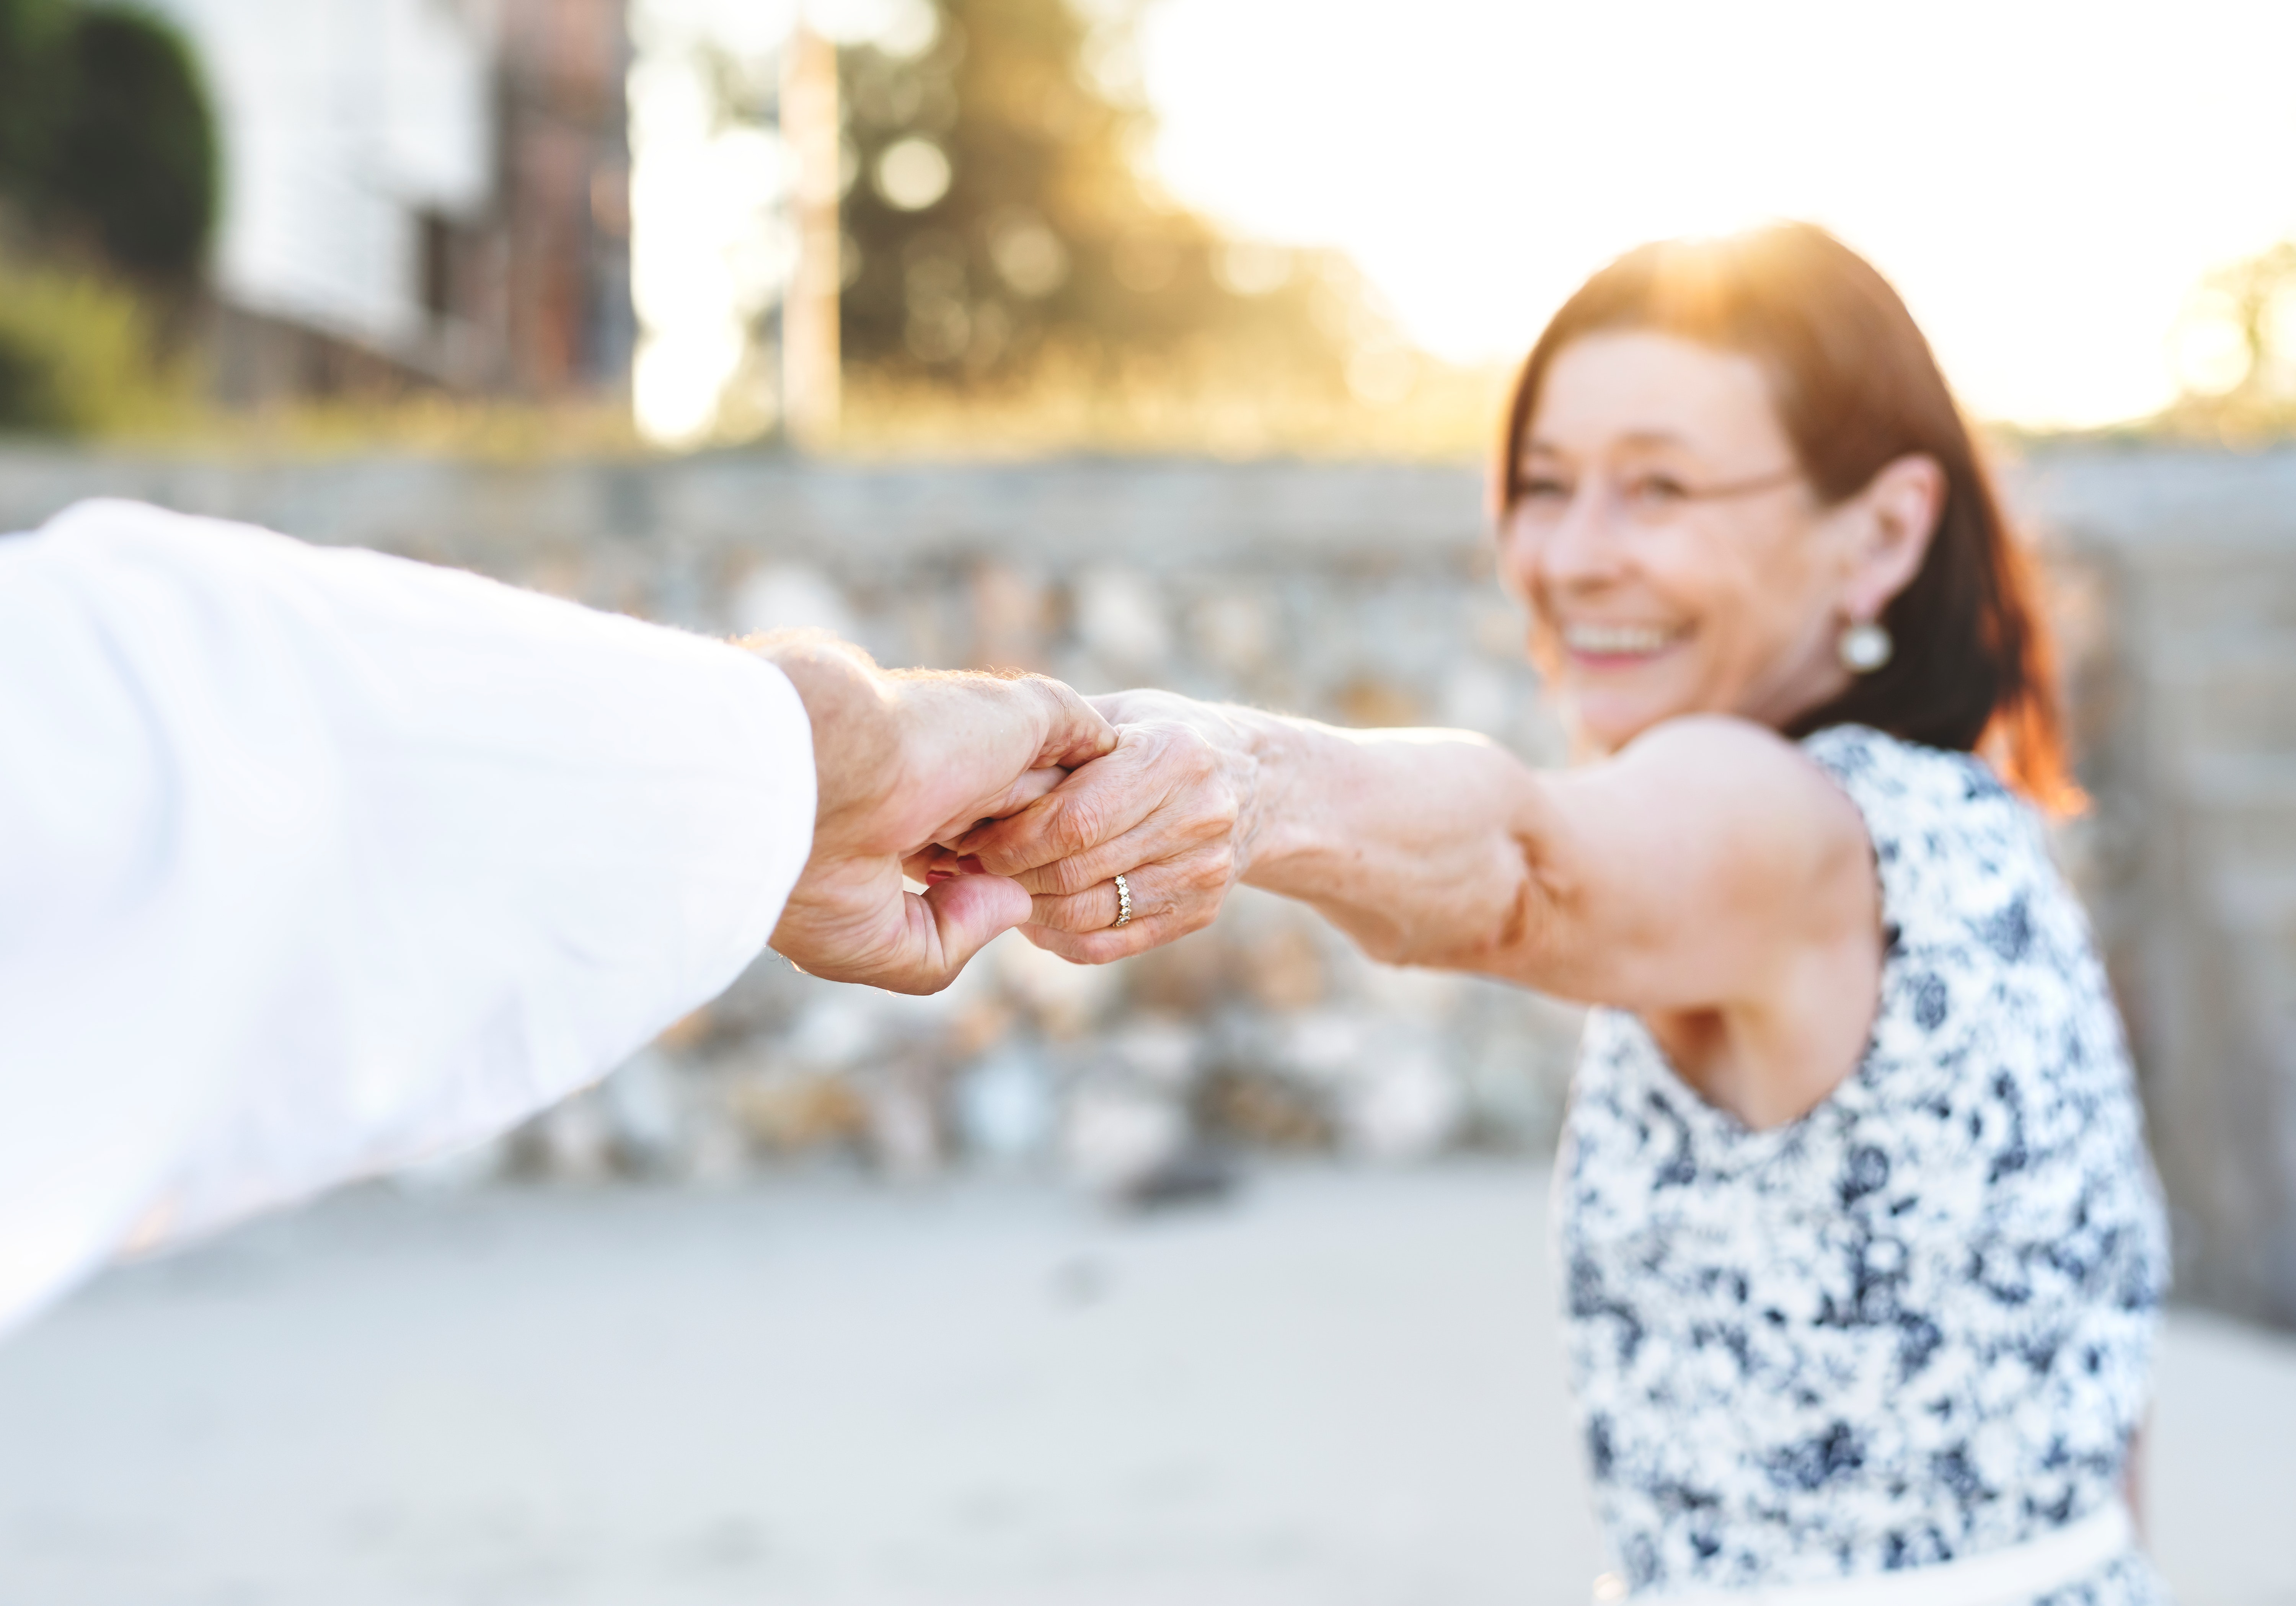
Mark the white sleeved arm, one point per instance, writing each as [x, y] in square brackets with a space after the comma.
[313, 863]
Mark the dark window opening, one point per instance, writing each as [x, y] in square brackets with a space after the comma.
[438, 266]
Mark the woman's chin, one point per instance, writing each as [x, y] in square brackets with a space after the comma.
[1601, 726]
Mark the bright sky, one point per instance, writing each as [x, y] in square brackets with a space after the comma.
[2045, 182]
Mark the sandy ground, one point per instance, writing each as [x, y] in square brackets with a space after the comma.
[1343, 1388]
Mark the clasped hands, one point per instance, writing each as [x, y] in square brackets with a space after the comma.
[1015, 802]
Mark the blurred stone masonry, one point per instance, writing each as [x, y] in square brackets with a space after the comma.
[1362, 595]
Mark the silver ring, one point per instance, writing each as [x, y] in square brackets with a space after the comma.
[1123, 903]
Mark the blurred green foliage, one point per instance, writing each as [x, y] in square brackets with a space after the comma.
[1045, 238]
[77, 356]
[131, 152]
[2250, 309]
[1006, 254]
[107, 142]
[30, 32]
[108, 195]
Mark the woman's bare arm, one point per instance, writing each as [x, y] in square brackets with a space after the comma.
[1710, 877]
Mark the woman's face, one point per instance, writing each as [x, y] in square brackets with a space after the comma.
[1674, 559]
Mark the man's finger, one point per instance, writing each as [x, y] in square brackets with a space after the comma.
[1100, 802]
[1076, 733]
[1026, 789]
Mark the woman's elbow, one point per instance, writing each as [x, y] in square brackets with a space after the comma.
[1504, 936]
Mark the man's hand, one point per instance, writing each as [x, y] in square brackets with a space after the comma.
[906, 760]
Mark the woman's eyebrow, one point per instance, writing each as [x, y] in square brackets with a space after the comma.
[1652, 437]
[1636, 438]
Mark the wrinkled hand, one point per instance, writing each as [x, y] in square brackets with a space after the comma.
[906, 760]
[1172, 809]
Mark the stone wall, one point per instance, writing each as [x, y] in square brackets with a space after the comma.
[1357, 595]
[2181, 570]
[1361, 594]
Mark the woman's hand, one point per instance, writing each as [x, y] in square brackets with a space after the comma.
[1174, 808]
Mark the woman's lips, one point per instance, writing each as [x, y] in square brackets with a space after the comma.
[1618, 646]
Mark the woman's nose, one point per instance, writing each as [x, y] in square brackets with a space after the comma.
[1577, 548]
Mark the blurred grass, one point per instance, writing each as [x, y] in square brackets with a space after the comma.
[423, 424]
[78, 359]
[1429, 411]
[86, 357]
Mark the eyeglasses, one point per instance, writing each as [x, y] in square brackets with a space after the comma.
[1646, 498]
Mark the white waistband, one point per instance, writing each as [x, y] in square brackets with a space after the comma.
[2000, 1577]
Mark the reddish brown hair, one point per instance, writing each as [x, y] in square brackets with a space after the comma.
[1857, 388]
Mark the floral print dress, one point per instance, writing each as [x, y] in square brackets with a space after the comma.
[1917, 1323]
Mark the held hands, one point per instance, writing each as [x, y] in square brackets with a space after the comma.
[1176, 808]
[964, 782]
[905, 761]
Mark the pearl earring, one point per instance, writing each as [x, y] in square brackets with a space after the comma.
[1865, 646]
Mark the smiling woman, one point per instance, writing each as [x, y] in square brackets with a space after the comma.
[1783, 393]
[1865, 1251]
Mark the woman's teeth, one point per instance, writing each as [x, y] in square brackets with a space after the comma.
[1616, 641]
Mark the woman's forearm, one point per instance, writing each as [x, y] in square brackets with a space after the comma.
[1420, 844]
[1426, 847]
[1709, 865]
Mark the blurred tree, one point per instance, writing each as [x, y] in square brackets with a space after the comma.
[76, 357]
[996, 224]
[30, 30]
[132, 154]
[107, 142]
[2236, 350]
[107, 194]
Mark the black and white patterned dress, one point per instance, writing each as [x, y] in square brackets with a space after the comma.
[1917, 1323]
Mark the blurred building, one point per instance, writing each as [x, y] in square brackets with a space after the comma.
[418, 193]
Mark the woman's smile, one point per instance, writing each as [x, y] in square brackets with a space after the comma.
[1618, 646]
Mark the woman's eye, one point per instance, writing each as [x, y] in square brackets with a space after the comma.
[1542, 487]
[1656, 490]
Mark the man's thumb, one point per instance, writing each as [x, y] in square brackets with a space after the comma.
[969, 912]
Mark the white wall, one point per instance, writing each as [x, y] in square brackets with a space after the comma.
[341, 120]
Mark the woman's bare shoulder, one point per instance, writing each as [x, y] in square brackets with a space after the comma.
[1701, 859]
[1741, 775]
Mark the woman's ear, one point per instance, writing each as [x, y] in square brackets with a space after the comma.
[1893, 519]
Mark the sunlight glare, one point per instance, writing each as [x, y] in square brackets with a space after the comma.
[2045, 183]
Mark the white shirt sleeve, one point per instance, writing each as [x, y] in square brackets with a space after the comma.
[313, 863]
